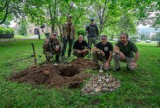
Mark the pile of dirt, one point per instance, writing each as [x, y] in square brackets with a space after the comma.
[83, 63]
[69, 75]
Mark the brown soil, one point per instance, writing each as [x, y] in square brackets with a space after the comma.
[83, 63]
[69, 75]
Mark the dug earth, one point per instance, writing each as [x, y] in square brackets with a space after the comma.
[69, 75]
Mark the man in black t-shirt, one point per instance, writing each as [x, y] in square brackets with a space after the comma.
[92, 31]
[80, 47]
[126, 51]
[103, 52]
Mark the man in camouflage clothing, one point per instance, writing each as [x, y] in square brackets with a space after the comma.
[68, 36]
[52, 46]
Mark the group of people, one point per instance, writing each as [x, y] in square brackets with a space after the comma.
[124, 49]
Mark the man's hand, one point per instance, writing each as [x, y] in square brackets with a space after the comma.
[106, 65]
[133, 65]
[122, 55]
[83, 51]
[78, 51]
[47, 41]
[57, 48]
[103, 54]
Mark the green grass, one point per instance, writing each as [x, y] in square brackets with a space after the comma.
[27, 36]
[138, 89]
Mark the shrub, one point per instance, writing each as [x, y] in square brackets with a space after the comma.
[6, 30]
[81, 32]
[11, 30]
[1, 30]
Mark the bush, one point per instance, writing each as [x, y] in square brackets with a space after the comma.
[81, 32]
[1, 30]
[11, 30]
[6, 30]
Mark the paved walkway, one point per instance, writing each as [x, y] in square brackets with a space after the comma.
[34, 37]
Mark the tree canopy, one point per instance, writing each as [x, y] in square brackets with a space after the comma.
[112, 16]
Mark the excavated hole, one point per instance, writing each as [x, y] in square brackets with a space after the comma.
[69, 70]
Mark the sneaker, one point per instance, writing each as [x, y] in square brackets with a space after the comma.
[117, 69]
[62, 57]
[48, 60]
[58, 61]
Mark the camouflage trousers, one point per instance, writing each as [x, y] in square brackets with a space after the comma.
[81, 54]
[92, 40]
[128, 61]
[97, 56]
[49, 55]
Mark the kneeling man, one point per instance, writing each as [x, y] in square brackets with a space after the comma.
[123, 51]
[80, 47]
[103, 52]
[52, 46]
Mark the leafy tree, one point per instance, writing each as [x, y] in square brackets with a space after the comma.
[22, 30]
[10, 9]
[126, 24]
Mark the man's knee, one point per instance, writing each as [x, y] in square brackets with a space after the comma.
[48, 55]
[94, 53]
[114, 55]
[131, 68]
[75, 53]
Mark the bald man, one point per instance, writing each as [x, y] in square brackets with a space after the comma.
[80, 47]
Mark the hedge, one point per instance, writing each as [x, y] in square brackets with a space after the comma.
[6, 30]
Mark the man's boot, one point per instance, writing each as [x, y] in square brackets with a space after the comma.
[96, 67]
[57, 58]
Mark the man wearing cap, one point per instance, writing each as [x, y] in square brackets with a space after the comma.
[80, 47]
[103, 52]
[52, 46]
[92, 31]
[68, 36]
[123, 51]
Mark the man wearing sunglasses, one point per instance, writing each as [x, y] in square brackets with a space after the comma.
[123, 51]
[103, 52]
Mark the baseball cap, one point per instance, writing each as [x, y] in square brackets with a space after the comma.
[69, 16]
[54, 34]
[103, 36]
[92, 19]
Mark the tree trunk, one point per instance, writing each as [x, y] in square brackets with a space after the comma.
[60, 30]
[6, 12]
[51, 18]
[54, 17]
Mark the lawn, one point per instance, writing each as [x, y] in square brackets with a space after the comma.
[138, 89]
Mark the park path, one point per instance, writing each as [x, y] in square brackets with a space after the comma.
[34, 37]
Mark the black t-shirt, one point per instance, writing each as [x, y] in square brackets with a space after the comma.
[80, 46]
[92, 30]
[128, 49]
[105, 48]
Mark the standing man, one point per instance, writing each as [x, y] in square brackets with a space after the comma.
[52, 46]
[68, 36]
[80, 47]
[103, 52]
[92, 31]
[123, 51]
